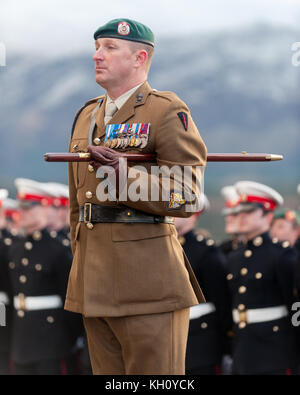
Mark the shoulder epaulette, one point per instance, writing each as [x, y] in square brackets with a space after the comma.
[165, 94]
[91, 101]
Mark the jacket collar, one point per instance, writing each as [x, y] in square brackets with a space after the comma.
[127, 111]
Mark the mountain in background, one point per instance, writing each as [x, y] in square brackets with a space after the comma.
[241, 87]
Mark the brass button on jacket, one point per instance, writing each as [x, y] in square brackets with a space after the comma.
[89, 195]
[248, 253]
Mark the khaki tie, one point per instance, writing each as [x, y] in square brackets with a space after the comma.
[110, 110]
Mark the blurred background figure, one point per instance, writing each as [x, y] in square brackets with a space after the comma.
[230, 212]
[5, 294]
[58, 211]
[285, 225]
[261, 281]
[208, 320]
[297, 244]
[12, 215]
[57, 214]
[39, 266]
[3, 196]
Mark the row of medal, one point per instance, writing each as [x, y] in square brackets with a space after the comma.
[127, 135]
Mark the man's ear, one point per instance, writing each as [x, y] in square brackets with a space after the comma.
[141, 57]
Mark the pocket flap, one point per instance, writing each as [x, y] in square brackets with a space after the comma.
[78, 145]
[131, 232]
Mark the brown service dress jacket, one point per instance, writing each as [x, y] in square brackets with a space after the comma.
[122, 269]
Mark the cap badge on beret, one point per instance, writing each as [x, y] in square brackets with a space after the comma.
[126, 29]
[290, 215]
[123, 28]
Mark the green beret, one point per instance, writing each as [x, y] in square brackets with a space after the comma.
[288, 214]
[126, 29]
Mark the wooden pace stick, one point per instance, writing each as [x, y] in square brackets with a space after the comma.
[86, 157]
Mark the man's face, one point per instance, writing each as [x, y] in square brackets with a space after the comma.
[283, 229]
[254, 221]
[30, 217]
[114, 62]
[2, 218]
[50, 214]
[232, 224]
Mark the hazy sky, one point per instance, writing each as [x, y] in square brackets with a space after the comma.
[64, 26]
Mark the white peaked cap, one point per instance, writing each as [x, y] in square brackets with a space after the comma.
[232, 200]
[26, 186]
[3, 194]
[230, 195]
[59, 193]
[58, 190]
[204, 203]
[32, 192]
[248, 190]
[10, 204]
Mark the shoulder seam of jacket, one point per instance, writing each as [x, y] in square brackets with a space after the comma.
[164, 94]
[81, 109]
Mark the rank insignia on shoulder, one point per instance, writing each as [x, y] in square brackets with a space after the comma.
[184, 119]
[176, 201]
[134, 135]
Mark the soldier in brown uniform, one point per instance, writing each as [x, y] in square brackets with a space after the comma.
[130, 279]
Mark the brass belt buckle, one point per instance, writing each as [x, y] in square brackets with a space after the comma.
[243, 316]
[22, 302]
[87, 215]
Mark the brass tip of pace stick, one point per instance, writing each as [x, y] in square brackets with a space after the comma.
[273, 157]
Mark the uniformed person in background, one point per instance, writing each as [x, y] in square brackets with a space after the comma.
[38, 267]
[129, 277]
[12, 216]
[209, 321]
[297, 244]
[230, 212]
[261, 281]
[285, 225]
[57, 214]
[285, 229]
[6, 240]
[58, 211]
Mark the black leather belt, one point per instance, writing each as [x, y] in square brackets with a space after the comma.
[96, 213]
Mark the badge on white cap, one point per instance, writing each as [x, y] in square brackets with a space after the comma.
[254, 192]
[230, 195]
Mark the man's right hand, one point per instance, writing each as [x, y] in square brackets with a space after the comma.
[103, 156]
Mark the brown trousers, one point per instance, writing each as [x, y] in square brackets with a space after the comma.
[142, 344]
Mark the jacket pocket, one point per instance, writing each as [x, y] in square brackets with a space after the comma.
[79, 168]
